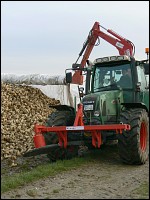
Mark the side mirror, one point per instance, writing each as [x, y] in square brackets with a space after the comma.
[146, 67]
[75, 66]
[68, 77]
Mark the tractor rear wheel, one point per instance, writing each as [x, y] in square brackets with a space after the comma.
[133, 144]
[60, 118]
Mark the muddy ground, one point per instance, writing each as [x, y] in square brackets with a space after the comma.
[107, 178]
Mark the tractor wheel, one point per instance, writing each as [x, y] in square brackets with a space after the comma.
[133, 144]
[60, 118]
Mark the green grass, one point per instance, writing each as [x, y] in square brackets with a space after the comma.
[41, 171]
[32, 192]
[55, 191]
[51, 169]
[142, 191]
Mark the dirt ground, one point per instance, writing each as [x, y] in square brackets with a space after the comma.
[107, 178]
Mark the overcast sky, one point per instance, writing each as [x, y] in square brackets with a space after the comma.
[45, 37]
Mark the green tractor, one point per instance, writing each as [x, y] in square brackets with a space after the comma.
[110, 101]
[114, 106]
[107, 105]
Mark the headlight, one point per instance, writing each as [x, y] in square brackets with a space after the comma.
[112, 58]
[98, 60]
[120, 58]
[105, 59]
[96, 113]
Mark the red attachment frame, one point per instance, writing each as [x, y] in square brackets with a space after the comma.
[124, 46]
[78, 126]
[79, 116]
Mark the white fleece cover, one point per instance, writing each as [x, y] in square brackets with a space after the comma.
[52, 86]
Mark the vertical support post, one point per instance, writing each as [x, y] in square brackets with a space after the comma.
[62, 138]
[96, 139]
[79, 116]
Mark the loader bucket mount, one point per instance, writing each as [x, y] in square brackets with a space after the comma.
[61, 131]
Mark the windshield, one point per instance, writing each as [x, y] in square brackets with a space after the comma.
[112, 76]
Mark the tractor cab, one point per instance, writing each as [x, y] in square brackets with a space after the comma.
[112, 73]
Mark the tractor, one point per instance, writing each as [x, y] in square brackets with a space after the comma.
[109, 110]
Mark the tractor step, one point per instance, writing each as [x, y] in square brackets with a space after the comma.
[46, 149]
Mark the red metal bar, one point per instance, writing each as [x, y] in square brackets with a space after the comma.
[91, 128]
[79, 116]
[94, 129]
[78, 126]
[77, 76]
[62, 138]
[96, 139]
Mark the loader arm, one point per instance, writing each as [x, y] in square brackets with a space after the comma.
[124, 46]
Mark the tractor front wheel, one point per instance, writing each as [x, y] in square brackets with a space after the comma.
[133, 144]
[60, 118]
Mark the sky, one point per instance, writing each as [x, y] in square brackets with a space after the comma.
[45, 37]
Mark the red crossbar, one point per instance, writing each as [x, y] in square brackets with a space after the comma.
[94, 129]
[78, 126]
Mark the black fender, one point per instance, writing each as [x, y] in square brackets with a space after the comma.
[63, 108]
[135, 105]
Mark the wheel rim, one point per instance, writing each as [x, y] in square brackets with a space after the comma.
[143, 137]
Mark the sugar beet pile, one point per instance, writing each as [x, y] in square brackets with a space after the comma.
[21, 107]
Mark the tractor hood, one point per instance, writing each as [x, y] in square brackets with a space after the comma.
[104, 102]
[89, 101]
